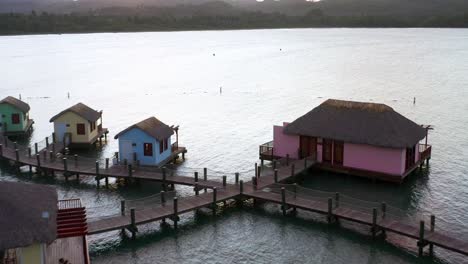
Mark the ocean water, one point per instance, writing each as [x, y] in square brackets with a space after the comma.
[266, 77]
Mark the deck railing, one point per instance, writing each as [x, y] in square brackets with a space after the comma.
[69, 204]
[266, 150]
[424, 151]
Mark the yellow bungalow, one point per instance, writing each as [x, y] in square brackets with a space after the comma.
[32, 229]
[79, 125]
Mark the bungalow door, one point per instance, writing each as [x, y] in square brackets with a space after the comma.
[327, 151]
[338, 152]
[308, 147]
[410, 156]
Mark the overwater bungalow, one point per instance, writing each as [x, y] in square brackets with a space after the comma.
[363, 139]
[149, 143]
[14, 117]
[36, 228]
[79, 126]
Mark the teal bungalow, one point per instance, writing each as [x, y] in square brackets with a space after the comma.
[149, 143]
[14, 117]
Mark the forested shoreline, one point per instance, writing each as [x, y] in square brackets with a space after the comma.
[46, 23]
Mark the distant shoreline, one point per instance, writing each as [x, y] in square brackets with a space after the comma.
[55, 24]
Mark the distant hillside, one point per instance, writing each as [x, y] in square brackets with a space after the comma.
[288, 7]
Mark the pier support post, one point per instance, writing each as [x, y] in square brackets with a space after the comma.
[337, 200]
[51, 156]
[195, 176]
[237, 177]
[65, 169]
[106, 180]
[36, 148]
[292, 170]
[287, 159]
[133, 224]
[53, 137]
[254, 182]
[29, 152]
[47, 142]
[214, 200]
[283, 200]
[274, 164]
[276, 176]
[164, 178]
[175, 216]
[330, 210]
[122, 211]
[374, 223]
[107, 163]
[241, 186]
[421, 238]
[38, 159]
[259, 171]
[205, 176]
[432, 228]
[224, 181]
[195, 188]
[256, 170]
[130, 170]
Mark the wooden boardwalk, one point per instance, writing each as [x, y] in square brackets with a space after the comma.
[50, 159]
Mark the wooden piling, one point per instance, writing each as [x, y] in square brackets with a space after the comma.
[65, 169]
[205, 177]
[130, 170]
[106, 181]
[256, 170]
[283, 200]
[51, 155]
[175, 216]
[237, 177]
[107, 163]
[432, 228]
[195, 188]
[330, 210]
[133, 223]
[276, 176]
[47, 142]
[214, 200]
[224, 181]
[421, 239]
[241, 186]
[97, 168]
[259, 170]
[122, 207]
[195, 176]
[29, 152]
[254, 182]
[274, 164]
[36, 150]
[38, 159]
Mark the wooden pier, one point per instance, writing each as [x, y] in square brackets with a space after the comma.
[265, 186]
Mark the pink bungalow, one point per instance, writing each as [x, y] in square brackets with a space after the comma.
[363, 139]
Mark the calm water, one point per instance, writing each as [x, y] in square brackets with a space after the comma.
[267, 77]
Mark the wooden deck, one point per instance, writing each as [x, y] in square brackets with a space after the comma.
[255, 189]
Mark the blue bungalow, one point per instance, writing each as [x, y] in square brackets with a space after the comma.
[149, 143]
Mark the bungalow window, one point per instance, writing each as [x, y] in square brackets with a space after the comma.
[148, 149]
[161, 146]
[80, 129]
[92, 126]
[15, 118]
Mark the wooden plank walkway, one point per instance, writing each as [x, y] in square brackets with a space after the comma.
[437, 238]
[224, 191]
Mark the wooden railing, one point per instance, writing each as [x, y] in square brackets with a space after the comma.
[424, 151]
[266, 151]
[69, 204]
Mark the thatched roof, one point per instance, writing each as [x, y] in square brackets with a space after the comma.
[153, 127]
[360, 123]
[82, 110]
[20, 105]
[28, 214]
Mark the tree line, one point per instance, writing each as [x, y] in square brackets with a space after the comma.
[45, 23]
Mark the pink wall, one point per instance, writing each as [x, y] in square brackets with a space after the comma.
[371, 158]
[284, 144]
